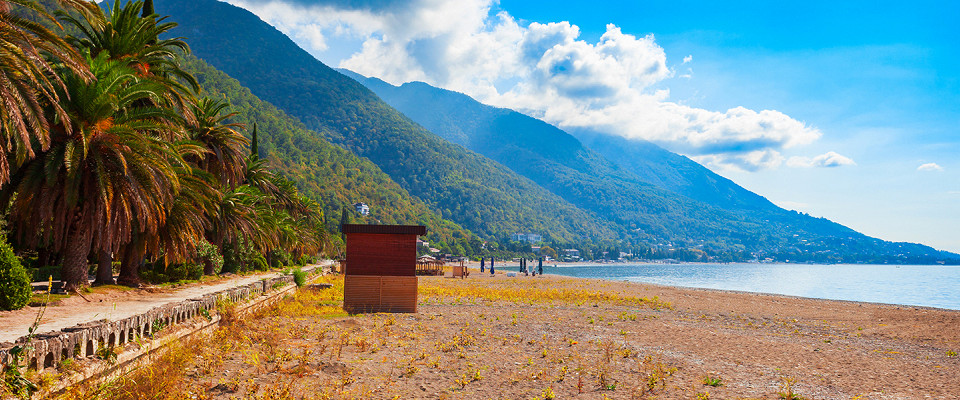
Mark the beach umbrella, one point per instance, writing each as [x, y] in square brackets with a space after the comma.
[481, 264]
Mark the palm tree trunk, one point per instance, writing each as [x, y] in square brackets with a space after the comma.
[208, 267]
[104, 269]
[43, 257]
[130, 264]
[74, 271]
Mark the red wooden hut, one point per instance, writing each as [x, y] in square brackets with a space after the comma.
[381, 268]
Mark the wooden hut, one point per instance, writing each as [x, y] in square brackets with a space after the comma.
[381, 267]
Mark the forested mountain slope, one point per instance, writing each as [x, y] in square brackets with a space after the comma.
[559, 162]
[635, 183]
[470, 189]
[325, 172]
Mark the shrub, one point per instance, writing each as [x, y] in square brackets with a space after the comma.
[42, 274]
[15, 287]
[299, 277]
[182, 272]
[242, 257]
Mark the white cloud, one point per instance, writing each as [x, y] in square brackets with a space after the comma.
[930, 167]
[826, 160]
[751, 161]
[543, 69]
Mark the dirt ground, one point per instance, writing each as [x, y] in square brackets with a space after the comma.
[553, 337]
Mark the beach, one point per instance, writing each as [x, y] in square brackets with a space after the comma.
[556, 337]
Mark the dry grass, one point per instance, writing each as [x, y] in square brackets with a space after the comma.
[506, 339]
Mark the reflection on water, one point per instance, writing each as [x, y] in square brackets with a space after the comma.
[921, 285]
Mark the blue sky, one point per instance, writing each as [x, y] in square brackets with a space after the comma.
[848, 111]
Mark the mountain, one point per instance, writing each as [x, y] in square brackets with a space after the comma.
[623, 175]
[672, 171]
[567, 192]
[560, 163]
[478, 193]
[334, 177]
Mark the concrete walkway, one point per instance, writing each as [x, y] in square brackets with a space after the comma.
[13, 325]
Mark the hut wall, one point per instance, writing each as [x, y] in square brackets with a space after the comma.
[381, 267]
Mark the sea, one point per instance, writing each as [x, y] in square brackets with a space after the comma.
[915, 285]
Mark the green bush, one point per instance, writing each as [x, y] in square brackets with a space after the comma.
[42, 274]
[14, 282]
[242, 257]
[299, 277]
[210, 253]
[157, 273]
[183, 272]
[280, 259]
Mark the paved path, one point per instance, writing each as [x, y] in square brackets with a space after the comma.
[13, 325]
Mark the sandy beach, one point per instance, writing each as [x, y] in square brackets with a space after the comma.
[554, 337]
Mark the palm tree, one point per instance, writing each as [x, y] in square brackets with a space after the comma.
[224, 147]
[28, 82]
[185, 223]
[109, 178]
[127, 36]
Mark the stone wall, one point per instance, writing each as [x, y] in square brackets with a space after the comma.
[45, 350]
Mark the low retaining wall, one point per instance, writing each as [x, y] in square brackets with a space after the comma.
[45, 350]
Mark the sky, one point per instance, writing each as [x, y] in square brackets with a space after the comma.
[844, 110]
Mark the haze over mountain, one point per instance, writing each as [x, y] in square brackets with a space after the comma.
[491, 130]
[622, 171]
[553, 185]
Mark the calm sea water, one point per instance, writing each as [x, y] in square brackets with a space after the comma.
[919, 285]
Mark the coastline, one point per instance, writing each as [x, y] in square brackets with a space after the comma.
[921, 286]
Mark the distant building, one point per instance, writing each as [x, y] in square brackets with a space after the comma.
[362, 208]
[535, 249]
[572, 253]
[526, 237]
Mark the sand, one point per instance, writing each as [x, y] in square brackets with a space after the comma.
[554, 337]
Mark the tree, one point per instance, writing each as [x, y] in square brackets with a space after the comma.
[548, 251]
[95, 187]
[254, 149]
[223, 147]
[28, 82]
[147, 9]
[126, 36]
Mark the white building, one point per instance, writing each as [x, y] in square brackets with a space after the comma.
[362, 208]
[572, 253]
[526, 237]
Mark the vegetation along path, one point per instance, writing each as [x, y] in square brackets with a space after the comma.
[113, 303]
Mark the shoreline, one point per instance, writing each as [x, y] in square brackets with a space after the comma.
[849, 292]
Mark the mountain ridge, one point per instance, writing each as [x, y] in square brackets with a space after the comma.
[463, 120]
[483, 195]
[478, 193]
